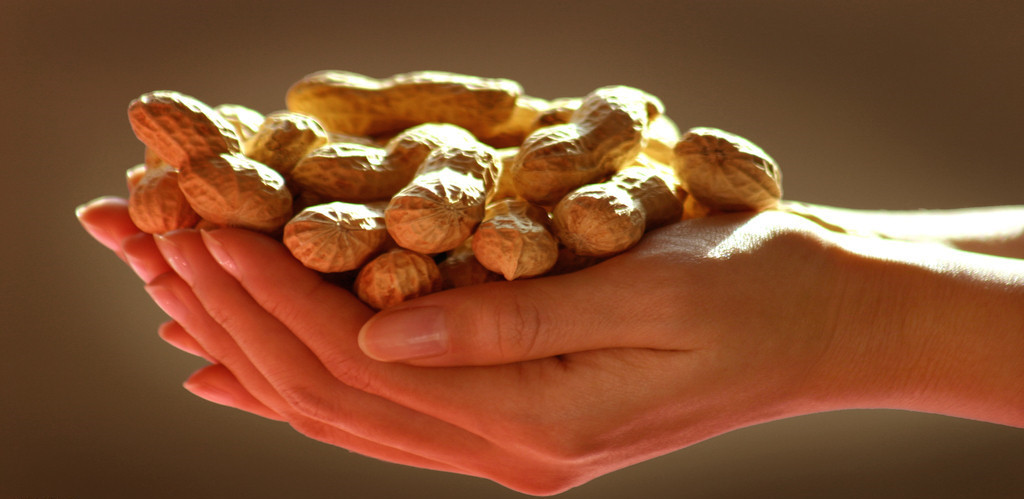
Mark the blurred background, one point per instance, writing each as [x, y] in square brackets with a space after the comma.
[870, 104]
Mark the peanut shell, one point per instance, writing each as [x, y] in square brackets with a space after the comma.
[235, 191]
[726, 172]
[354, 104]
[335, 237]
[178, 127]
[514, 239]
[156, 204]
[396, 276]
[283, 139]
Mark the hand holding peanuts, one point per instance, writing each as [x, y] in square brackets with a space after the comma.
[554, 384]
[710, 324]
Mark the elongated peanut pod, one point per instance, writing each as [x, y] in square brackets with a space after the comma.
[283, 139]
[608, 218]
[232, 190]
[335, 237]
[606, 133]
[726, 172]
[514, 239]
[461, 268]
[359, 173]
[354, 104]
[156, 204]
[445, 201]
[396, 276]
[179, 127]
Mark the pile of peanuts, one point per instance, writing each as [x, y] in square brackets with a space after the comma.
[430, 180]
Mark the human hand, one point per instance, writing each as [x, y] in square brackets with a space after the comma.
[559, 391]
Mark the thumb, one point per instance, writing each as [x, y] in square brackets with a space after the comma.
[504, 322]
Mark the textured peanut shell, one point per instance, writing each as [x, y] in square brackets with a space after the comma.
[283, 139]
[606, 133]
[519, 125]
[514, 239]
[354, 104]
[726, 172]
[558, 112]
[156, 205]
[598, 220]
[460, 268]
[235, 191]
[657, 190]
[445, 201]
[178, 127]
[246, 121]
[348, 172]
[608, 218]
[396, 276]
[407, 150]
[335, 237]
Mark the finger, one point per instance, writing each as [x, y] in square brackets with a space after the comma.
[176, 298]
[106, 220]
[173, 333]
[299, 376]
[307, 305]
[142, 255]
[321, 318]
[216, 384]
[601, 307]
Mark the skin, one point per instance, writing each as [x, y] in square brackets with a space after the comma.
[718, 324]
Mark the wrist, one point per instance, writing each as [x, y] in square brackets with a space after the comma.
[926, 329]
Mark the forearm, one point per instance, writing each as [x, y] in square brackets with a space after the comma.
[936, 330]
[996, 230]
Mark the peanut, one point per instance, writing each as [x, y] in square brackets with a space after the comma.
[445, 200]
[522, 123]
[361, 173]
[726, 172]
[461, 268]
[156, 204]
[514, 239]
[558, 112]
[354, 104]
[232, 190]
[606, 133]
[283, 139]
[244, 120]
[178, 127]
[608, 218]
[396, 276]
[335, 237]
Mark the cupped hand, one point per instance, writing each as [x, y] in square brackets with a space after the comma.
[707, 326]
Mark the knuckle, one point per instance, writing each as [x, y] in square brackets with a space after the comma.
[517, 327]
[303, 400]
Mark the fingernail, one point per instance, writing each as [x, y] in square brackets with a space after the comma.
[404, 334]
[219, 252]
[208, 391]
[175, 257]
[168, 301]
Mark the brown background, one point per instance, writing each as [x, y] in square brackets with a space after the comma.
[870, 104]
